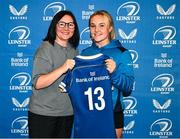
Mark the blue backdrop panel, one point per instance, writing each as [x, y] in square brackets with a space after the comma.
[149, 29]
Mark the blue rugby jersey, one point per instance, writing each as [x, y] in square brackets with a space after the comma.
[89, 88]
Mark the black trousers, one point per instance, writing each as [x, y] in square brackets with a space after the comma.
[49, 126]
[119, 119]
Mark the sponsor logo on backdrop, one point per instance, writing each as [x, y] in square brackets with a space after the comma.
[85, 40]
[161, 107]
[19, 126]
[128, 38]
[87, 13]
[128, 129]
[165, 15]
[51, 9]
[161, 128]
[20, 106]
[19, 61]
[20, 82]
[164, 36]
[162, 84]
[130, 104]
[18, 14]
[128, 11]
[163, 62]
[134, 56]
[19, 36]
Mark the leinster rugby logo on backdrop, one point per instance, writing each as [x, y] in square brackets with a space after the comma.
[84, 36]
[164, 36]
[161, 128]
[85, 40]
[162, 83]
[18, 14]
[20, 82]
[130, 104]
[128, 12]
[128, 38]
[19, 36]
[20, 126]
[165, 14]
[52, 9]
[134, 56]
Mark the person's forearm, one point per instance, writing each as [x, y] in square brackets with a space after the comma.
[47, 79]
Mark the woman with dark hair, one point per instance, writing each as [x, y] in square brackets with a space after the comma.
[50, 112]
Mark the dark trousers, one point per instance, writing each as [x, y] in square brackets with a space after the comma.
[49, 127]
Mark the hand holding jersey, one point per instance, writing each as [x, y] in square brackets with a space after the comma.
[68, 64]
[111, 65]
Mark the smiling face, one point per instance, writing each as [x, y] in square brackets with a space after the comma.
[64, 30]
[100, 30]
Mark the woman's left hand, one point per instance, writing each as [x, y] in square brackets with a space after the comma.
[111, 65]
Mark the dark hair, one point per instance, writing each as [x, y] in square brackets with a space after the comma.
[51, 35]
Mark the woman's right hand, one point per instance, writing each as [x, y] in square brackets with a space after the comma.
[68, 64]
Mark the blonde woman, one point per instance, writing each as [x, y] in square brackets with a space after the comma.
[119, 66]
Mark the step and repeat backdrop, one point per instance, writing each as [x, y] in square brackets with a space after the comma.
[148, 28]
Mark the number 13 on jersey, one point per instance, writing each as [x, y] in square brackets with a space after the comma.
[99, 91]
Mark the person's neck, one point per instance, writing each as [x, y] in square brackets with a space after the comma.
[102, 43]
[62, 43]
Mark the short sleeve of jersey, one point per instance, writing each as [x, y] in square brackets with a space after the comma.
[66, 82]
